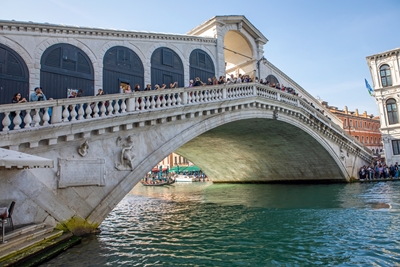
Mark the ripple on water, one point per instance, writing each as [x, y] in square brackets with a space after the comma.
[247, 225]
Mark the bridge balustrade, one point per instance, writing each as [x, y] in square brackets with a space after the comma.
[69, 110]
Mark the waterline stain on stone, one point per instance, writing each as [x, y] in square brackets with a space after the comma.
[78, 226]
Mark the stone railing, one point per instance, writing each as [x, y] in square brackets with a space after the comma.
[68, 110]
[42, 114]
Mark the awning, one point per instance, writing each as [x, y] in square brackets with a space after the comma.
[192, 168]
[157, 169]
[14, 159]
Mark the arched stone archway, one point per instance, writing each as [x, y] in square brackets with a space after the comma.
[239, 55]
[121, 65]
[166, 67]
[65, 66]
[201, 65]
[14, 75]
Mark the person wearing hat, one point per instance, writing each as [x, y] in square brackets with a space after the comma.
[37, 95]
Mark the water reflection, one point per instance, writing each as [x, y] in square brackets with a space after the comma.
[202, 224]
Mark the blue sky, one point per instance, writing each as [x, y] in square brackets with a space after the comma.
[320, 44]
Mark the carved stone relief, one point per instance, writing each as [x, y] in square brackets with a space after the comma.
[84, 148]
[126, 157]
[275, 114]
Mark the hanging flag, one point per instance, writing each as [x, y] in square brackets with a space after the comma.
[370, 91]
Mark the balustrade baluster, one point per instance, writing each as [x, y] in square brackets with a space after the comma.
[179, 100]
[81, 112]
[147, 102]
[46, 116]
[158, 101]
[17, 120]
[137, 105]
[142, 104]
[103, 108]
[152, 102]
[169, 101]
[27, 119]
[197, 97]
[36, 118]
[88, 111]
[190, 97]
[6, 122]
[73, 112]
[96, 110]
[163, 101]
[123, 106]
[110, 108]
[116, 107]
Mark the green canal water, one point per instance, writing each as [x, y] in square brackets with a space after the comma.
[205, 224]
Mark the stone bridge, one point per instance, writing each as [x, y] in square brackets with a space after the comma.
[94, 150]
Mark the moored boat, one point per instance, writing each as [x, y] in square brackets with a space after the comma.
[183, 178]
[158, 182]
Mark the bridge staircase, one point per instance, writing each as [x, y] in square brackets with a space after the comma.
[33, 244]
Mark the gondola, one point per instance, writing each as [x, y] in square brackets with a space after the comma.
[159, 182]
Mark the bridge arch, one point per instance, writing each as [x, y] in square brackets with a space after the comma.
[65, 66]
[254, 121]
[14, 75]
[121, 65]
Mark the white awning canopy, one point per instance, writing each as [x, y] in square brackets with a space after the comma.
[14, 159]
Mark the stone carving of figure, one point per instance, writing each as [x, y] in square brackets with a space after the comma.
[83, 149]
[126, 157]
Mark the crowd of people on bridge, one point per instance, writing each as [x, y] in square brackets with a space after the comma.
[38, 94]
[379, 170]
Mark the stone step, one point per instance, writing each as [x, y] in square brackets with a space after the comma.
[22, 230]
[41, 250]
[24, 237]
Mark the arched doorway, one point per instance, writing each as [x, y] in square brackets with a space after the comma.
[121, 66]
[64, 66]
[166, 67]
[238, 53]
[201, 65]
[14, 75]
[271, 79]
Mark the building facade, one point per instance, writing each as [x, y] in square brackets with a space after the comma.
[365, 128]
[60, 58]
[384, 68]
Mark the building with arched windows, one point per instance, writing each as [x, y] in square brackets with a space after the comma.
[384, 68]
[60, 58]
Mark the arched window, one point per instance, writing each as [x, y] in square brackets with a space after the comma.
[391, 108]
[166, 67]
[14, 75]
[65, 66]
[122, 67]
[272, 79]
[386, 77]
[201, 65]
[362, 139]
[367, 140]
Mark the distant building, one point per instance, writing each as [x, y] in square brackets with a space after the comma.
[364, 127]
[173, 160]
[384, 68]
